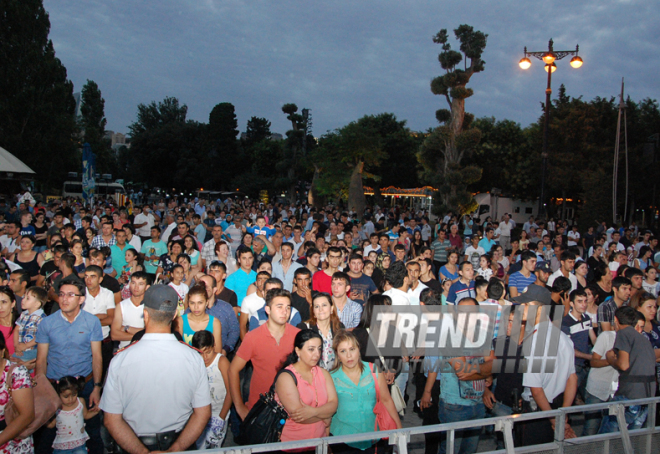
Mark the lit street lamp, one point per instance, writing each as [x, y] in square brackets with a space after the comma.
[548, 57]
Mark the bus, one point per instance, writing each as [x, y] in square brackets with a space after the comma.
[106, 189]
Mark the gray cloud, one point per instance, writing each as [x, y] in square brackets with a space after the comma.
[344, 59]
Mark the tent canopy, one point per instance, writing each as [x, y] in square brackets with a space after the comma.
[11, 164]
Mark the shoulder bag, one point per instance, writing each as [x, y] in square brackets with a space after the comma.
[383, 419]
[265, 421]
[46, 403]
[395, 391]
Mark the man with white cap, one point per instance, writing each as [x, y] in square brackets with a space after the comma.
[156, 396]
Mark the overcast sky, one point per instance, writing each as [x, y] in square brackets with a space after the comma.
[346, 59]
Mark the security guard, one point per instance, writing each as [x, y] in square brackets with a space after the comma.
[157, 395]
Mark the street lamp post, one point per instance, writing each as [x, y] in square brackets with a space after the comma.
[548, 57]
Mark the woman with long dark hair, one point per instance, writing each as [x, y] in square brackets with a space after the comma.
[324, 321]
[8, 316]
[306, 390]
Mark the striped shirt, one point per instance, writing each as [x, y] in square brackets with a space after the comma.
[350, 314]
[440, 250]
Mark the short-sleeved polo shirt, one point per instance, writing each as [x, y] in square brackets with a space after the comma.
[267, 355]
[69, 344]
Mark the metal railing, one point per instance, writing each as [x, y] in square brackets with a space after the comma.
[630, 442]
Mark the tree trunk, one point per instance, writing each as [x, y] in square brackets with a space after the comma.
[356, 199]
[378, 197]
[292, 187]
[312, 197]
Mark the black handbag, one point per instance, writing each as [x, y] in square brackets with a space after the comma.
[265, 421]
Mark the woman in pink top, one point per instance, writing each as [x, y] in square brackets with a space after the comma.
[311, 399]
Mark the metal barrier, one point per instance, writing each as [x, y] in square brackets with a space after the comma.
[628, 442]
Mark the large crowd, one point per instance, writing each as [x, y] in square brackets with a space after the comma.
[163, 325]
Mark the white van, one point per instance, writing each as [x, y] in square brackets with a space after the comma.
[495, 207]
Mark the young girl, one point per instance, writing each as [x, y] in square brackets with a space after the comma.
[592, 305]
[134, 262]
[70, 420]
[446, 285]
[217, 370]
[181, 288]
[197, 319]
[485, 269]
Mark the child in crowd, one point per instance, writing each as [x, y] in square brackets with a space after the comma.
[25, 344]
[217, 370]
[70, 420]
[134, 262]
[181, 287]
[485, 269]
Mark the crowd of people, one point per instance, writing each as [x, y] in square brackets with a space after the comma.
[101, 300]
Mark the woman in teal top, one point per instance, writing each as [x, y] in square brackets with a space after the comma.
[196, 319]
[356, 393]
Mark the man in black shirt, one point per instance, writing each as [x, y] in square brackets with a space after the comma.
[301, 299]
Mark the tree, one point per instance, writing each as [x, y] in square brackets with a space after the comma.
[258, 129]
[223, 160]
[92, 125]
[347, 156]
[444, 149]
[294, 154]
[37, 107]
[505, 155]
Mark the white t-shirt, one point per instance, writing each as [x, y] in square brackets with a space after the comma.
[505, 228]
[603, 381]
[141, 218]
[99, 305]
[251, 304]
[573, 238]
[474, 255]
[558, 273]
[413, 295]
[136, 242]
[399, 298]
[553, 377]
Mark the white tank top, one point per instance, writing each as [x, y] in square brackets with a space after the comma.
[70, 429]
[217, 385]
[132, 316]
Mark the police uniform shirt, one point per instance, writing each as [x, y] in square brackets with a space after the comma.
[155, 384]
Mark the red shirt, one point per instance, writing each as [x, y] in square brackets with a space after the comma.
[456, 241]
[321, 282]
[267, 356]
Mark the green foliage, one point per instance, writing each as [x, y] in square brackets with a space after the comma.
[37, 107]
[258, 129]
[224, 159]
[153, 116]
[443, 150]
[92, 125]
[442, 115]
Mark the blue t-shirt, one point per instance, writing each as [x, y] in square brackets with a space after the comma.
[520, 282]
[446, 273]
[69, 344]
[486, 244]
[239, 281]
[454, 391]
[29, 230]
[118, 256]
[150, 248]
[255, 230]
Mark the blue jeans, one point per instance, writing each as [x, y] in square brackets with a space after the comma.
[635, 417]
[499, 409]
[79, 450]
[465, 441]
[592, 419]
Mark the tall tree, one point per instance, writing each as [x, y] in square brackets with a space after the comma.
[258, 129]
[294, 157]
[37, 107]
[92, 124]
[443, 151]
[223, 158]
